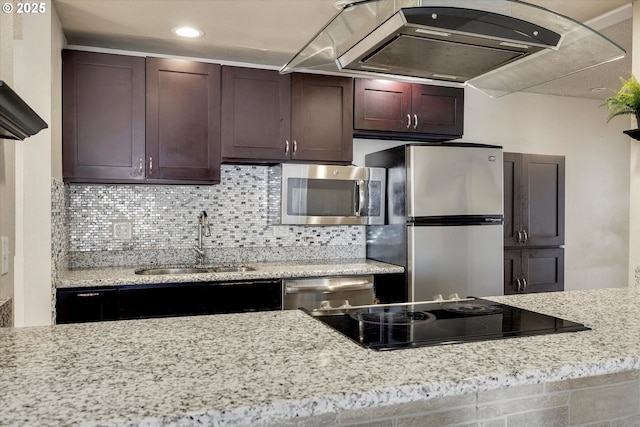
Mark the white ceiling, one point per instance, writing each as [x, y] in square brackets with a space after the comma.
[270, 32]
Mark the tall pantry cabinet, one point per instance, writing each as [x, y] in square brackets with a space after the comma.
[534, 211]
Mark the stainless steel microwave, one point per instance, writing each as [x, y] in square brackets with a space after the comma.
[325, 194]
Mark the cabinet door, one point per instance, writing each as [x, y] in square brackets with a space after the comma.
[103, 117]
[183, 121]
[238, 297]
[86, 305]
[160, 300]
[321, 118]
[256, 114]
[437, 110]
[382, 105]
[512, 272]
[512, 166]
[543, 200]
[543, 270]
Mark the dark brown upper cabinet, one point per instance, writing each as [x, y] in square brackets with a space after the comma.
[134, 120]
[321, 117]
[534, 206]
[103, 117]
[256, 114]
[385, 109]
[183, 120]
[268, 117]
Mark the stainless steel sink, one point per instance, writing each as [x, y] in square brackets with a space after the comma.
[194, 270]
[154, 271]
[232, 269]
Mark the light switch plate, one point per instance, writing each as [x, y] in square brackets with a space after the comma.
[4, 255]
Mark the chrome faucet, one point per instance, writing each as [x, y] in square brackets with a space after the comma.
[203, 228]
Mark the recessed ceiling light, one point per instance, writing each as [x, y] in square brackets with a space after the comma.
[188, 32]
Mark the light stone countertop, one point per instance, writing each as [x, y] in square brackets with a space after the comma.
[238, 369]
[115, 276]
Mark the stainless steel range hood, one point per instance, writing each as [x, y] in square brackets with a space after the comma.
[495, 46]
[17, 119]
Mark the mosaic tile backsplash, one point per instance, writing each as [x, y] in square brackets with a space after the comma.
[164, 221]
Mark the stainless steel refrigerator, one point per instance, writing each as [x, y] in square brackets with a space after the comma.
[444, 220]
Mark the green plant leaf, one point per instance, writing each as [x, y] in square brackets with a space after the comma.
[626, 100]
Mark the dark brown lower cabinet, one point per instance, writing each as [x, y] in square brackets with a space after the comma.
[166, 300]
[86, 305]
[533, 270]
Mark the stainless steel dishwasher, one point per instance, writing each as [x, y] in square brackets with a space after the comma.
[328, 292]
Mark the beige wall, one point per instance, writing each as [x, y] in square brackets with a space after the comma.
[37, 80]
[7, 162]
[597, 172]
[634, 160]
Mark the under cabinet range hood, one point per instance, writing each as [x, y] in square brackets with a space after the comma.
[495, 46]
[17, 119]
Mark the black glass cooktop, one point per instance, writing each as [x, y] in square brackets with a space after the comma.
[396, 326]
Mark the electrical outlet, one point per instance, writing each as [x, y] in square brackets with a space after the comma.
[122, 230]
[280, 230]
[4, 255]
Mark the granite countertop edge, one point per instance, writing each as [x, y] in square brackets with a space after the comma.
[115, 276]
[281, 411]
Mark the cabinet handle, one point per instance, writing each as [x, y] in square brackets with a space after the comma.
[141, 167]
[408, 121]
[150, 165]
[286, 147]
[88, 294]
[415, 121]
[525, 236]
[524, 284]
[518, 285]
[519, 239]
[295, 147]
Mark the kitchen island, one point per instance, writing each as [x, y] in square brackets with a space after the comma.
[285, 368]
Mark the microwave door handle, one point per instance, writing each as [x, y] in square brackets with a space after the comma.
[356, 198]
[361, 198]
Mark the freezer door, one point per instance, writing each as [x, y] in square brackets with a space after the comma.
[467, 260]
[453, 180]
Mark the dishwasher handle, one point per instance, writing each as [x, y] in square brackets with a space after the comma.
[328, 285]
